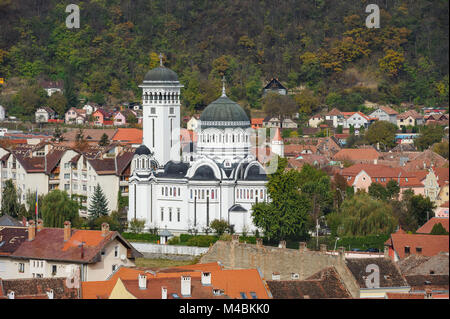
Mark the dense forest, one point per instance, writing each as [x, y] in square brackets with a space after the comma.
[320, 49]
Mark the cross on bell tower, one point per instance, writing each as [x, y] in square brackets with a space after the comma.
[161, 59]
[223, 86]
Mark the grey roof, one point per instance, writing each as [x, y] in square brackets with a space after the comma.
[237, 208]
[161, 74]
[6, 220]
[165, 232]
[224, 112]
[204, 173]
[255, 174]
[143, 150]
[174, 170]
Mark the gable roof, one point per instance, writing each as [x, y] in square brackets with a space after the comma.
[94, 135]
[422, 265]
[128, 135]
[325, 284]
[390, 275]
[431, 244]
[428, 226]
[357, 154]
[11, 238]
[37, 288]
[410, 113]
[423, 282]
[49, 244]
[274, 84]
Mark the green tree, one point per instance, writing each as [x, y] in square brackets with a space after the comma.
[382, 132]
[104, 140]
[137, 225]
[378, 191]
[281, 106]
[393, 189]
[219, 226]
[438, 229]
[57, 207]
[99, 204]
[10, 199]
[286, 215]
[441, 149]
[429, 135]
[58, 103]
[421, 208]
[307, 102]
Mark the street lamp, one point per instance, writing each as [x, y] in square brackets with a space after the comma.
[335, 243]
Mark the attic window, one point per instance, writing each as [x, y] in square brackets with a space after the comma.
[217, 292]
[243, 295]
[253, 294]
[407, 250]
[419, 250]
[295, 276]
[431, 272]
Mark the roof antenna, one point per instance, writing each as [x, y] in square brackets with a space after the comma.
[223, 86]
[161, 59]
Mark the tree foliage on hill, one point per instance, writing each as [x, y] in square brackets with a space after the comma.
[10, 199]
[323, 45]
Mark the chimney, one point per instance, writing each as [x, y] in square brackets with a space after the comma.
[40, 225]
[67, 230]
[303, 247]
[386, 251]
[323, 248]
[163, 292]
[105, 229]
[31, 230]
[50, 294]
[11, 294]
[276, 276]
[186, 286]
[341, 251]
[142, 278]
[235, 239]
[282, 244]
[259, 242]
[206, 278]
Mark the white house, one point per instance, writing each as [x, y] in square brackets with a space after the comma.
[385, 113]
[43, 114]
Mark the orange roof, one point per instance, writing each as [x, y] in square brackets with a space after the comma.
[88, 237]
[354, 154]
[277, 136]
[97, 289]
[428, 226]
[431, 244]
[395, 295]
[257, 120]
[128, 135]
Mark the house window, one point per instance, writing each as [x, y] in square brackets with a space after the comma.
[114, 267]
[170, 214]
[54, 270]
[419, 250]
[407, 250]
[253, 294]
[243, 295]
[162, 213]
[66, 176]
[116, 251]
[178, 215]
[153, 110]
[21, 267]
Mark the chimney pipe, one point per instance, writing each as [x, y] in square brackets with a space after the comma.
[341, 251]
[105, 229]
[206, 278]
[259, 242]
[323, 248]
[303, 247]
[50, 293]
[282, 244]
[31, 230]
[386, 252]
[186, 286]
[142, 281]
[67, 230]
[40, 225]
[235, 239]
[163, 292]
[11, 295]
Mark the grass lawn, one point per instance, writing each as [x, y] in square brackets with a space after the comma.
[162, 263]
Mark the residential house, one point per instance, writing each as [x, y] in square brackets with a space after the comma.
[409, 118]
[385, 113]
[275, 86]
[90, 108]
[436, 185]
[315, 120]
[401, 245]
[90, 255]
[274, 122]
[442, 210]
[193, 123]
[131, 136]
[120, 117]
[11, 237]
[52, 86]
[422, 265]
[423, 160]
[200, 281]
[436, 119]
[311, 159]
[328, 146]
[37, 288]
[257, 123]
[357, 155]
[325, 284]
[44, 114]
[377, 276]
[102, 117]
[336, 118]
[295, 150]
[361, 176]
[356, 120]
[428, 284]
[75, 116]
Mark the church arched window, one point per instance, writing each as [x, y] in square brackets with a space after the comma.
[212, 194]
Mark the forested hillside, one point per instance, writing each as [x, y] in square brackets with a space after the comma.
[322, 46]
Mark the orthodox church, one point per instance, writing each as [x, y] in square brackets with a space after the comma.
[220, 179]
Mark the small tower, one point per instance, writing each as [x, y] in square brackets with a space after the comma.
[161, 113]
[277, 144]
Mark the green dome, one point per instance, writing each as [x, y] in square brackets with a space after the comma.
[223, 112]
[161, 74]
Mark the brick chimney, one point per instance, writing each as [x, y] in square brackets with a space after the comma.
[11, 294]
[67, 230]
[186, 286]
[31, 230]
[163, 292]
[341, 251]
[50, 294]
[386, 252]
[105, 229]
[40, 225]
[235, 239]
[282, 244]
[323, 248]
[302, 247]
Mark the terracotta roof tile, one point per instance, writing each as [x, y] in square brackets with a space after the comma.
[128, 135]
[430, 244]
[36, 288]
[428, 226]
[352, 154]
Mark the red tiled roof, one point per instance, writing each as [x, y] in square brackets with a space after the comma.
[388, 110]
[128, 135]
[396, 295]
[334, 111]
[428, 226]
[409, 113]
[355, 154]
[257, 121]
[431, 244]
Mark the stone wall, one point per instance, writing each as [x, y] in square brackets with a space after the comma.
[269, 260]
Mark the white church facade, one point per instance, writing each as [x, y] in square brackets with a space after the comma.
[219, 179]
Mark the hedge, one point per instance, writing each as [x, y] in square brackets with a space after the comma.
[145, 237]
